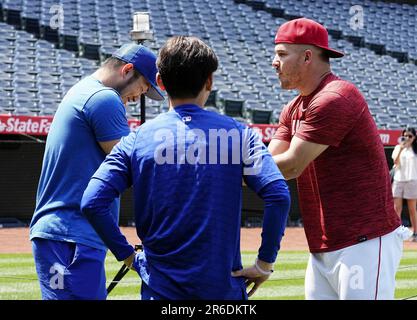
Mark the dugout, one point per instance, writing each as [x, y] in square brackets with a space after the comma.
[20, 166]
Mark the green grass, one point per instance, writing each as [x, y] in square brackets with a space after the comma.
[18, 279]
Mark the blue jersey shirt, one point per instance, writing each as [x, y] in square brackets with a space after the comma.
[187, 186]
[89, 113]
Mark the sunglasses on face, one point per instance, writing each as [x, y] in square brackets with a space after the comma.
[408, 136]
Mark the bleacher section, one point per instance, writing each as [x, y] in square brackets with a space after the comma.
[35, 74]
[387, 27]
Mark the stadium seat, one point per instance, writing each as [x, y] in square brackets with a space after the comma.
[260, 115]
[212, 99]
[242, 37]
[234, 108]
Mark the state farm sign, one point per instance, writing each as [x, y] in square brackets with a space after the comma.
[39, 126]
[34, 126]
[266, 132]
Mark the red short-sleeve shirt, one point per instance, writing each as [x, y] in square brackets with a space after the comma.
[345, 193]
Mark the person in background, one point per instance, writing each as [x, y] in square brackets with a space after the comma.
[404, 185]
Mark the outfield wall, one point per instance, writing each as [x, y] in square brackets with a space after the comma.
[20, 166]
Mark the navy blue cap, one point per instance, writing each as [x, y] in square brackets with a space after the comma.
[144, 61]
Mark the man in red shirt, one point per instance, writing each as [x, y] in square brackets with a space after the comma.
[328, 140]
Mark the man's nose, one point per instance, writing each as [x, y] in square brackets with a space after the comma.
[145, 88]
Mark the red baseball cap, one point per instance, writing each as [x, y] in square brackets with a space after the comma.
[306, 31]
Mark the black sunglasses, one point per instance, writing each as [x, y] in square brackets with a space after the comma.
[409, 136]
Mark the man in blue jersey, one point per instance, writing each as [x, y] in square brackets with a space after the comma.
[90, 120]
[186, 167]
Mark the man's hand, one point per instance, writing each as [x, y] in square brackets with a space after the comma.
[129, 261]
[254, 275]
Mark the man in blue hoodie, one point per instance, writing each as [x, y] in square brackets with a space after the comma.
[186, 167]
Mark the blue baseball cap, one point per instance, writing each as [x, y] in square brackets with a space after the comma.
[144, 61]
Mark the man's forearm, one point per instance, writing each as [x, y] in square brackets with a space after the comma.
[95, 205]
[286, 166]
[277, 201]
[299, 155]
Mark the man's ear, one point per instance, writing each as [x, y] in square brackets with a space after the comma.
[209, 83]
[159, 81]
[307, 56]
[126, 69]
